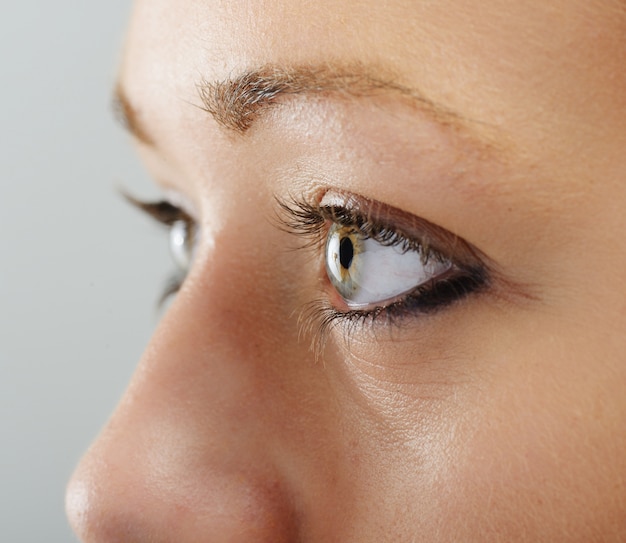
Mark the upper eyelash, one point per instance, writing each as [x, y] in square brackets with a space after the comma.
[308, 220]
[162, 211]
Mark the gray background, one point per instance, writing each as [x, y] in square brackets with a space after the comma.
[79, 270]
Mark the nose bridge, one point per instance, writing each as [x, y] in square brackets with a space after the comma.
[197, 437]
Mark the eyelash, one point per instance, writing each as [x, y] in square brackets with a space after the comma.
[310, 220]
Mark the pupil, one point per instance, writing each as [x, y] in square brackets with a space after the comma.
[346, 252]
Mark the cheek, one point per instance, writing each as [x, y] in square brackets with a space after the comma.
[539, 456]
[518, 435]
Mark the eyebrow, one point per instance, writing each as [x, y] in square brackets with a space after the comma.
[236, 103]
[128, 116]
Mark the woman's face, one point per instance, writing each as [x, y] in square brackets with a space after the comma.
[459, 169]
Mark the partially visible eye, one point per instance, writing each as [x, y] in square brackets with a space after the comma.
[183, 237]
[366, 272]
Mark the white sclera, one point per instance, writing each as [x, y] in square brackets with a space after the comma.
[378, 273]
[181, 244]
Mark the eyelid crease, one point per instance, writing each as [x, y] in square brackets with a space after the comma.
[430, 236]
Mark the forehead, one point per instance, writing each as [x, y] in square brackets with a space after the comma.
[547, 76]
[482, 57]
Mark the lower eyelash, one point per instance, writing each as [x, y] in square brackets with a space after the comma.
[172, 285]
[319, 318]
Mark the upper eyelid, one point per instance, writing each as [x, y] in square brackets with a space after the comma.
[410, 226]
[347, 209]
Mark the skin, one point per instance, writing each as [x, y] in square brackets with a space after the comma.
[499, 418]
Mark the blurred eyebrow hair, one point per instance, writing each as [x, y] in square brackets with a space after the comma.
[236, 103]
[127, 115]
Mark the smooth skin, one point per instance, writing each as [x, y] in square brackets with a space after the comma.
[501, 417]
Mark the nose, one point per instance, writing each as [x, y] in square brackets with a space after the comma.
[207, 442]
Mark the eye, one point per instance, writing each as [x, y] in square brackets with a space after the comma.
[183, 237]
[381, 262]
[367, 272]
